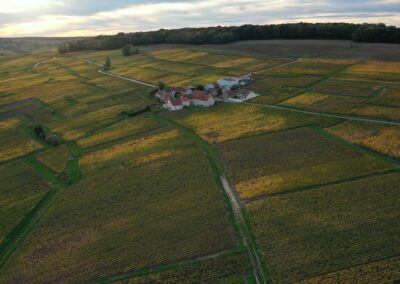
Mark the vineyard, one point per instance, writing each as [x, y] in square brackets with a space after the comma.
[382, 139]
[21, 188]
[156, 213]
[333, 228]
[227, 122]
[289, 160]
[98, 184]
[232, 269]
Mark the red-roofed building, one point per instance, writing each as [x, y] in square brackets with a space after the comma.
[202, 98]
[173, 105]
[186, 100]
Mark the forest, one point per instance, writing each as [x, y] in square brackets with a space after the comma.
[221, 35]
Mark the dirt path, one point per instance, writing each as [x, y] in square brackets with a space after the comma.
[243, 230]
[102, 71]
[279, 66]
[37, 64]
[258, 270]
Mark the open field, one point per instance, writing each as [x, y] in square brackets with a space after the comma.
[227, 122]
[147, 219]
[201, 195]
[290, 160]
[382, 139]
[338, 49]
[321, 231]
[21, 188]
[13, 143]
[55, 158]
[231, 269]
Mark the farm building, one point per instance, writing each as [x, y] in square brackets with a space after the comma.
[229, 83]
[202, 98]
[241, 95]
[186, 100]
[173, 105]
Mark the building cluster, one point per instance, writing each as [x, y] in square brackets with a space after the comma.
[226, 89]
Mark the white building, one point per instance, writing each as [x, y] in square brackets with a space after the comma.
[228, 83]
[241, 95]
[173, 105]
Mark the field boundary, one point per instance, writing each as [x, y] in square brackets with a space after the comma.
[320, 186]
[260, 273]
[325, 114]
[171, 266]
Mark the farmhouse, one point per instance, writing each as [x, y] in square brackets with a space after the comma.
[173, 105]
[202, 98]
[229, 83]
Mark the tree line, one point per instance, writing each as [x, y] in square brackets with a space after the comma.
[221, 35]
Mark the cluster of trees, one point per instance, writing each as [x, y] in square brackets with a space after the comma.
[50, 139]
[129, 50]
[221, 35]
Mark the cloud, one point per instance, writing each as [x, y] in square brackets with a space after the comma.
[73, 17]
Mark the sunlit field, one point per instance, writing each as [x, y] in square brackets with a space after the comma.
[99, 184]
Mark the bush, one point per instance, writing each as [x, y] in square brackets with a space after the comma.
[129, 50]
[53, 140]
[39, 132]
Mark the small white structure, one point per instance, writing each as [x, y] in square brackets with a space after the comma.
[201, 98]
[163, 95]
[228, 83]
[180, 90]
[173, 105]
[241, 95]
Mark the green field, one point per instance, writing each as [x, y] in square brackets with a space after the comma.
[311, 194]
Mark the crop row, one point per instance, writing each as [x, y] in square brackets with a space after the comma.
[319, 231]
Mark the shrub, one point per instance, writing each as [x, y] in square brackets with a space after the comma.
[129, 50]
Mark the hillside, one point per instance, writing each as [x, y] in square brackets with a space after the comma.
[301, 184]
[29, 44]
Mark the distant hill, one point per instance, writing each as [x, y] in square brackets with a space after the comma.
[28, 44]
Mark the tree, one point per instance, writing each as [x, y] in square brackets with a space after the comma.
[223, 38]
[107, 65]
[39, 132]
[161, 86]
[129, 50]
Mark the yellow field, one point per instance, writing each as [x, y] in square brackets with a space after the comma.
[373, 71]
[305, 100]
[119, 130]
[289, 160]
[228, 122]
[383, 139]
[387, 112]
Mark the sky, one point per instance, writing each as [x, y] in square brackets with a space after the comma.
[86, 18]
